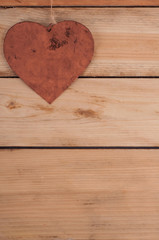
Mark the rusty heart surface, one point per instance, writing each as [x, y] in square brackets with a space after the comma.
[48, 59]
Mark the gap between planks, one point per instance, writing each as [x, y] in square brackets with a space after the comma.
[101, 77]
[81, 148]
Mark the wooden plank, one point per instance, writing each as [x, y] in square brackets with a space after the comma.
[92, 112]
[79, 194]
[79, 2]
[126, 40]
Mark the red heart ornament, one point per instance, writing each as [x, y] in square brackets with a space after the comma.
[48, 59]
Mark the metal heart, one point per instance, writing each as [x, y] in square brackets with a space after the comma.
[48, 59]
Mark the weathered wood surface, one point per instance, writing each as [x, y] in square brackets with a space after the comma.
[126, 39]
[92, 112]
[79, 195]
[79, 2]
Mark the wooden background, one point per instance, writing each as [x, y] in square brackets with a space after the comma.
[85, 167]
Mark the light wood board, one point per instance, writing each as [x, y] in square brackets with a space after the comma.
[126, 39]
[79, 195]
[92, 112]
[84, 194]
[79, 2]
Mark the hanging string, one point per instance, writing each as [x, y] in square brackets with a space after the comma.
[52, 14]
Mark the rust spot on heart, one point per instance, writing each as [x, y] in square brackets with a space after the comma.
[86, 31]
[49, 29]
[67, 33]
[75, 41]
[56, 43]
[13, 105]
[86, 113]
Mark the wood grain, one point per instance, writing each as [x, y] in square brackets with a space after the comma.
[79, 3]
[126, 39]
[79, 194]
[92, 112]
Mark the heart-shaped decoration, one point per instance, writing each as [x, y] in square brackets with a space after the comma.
[48, 59]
